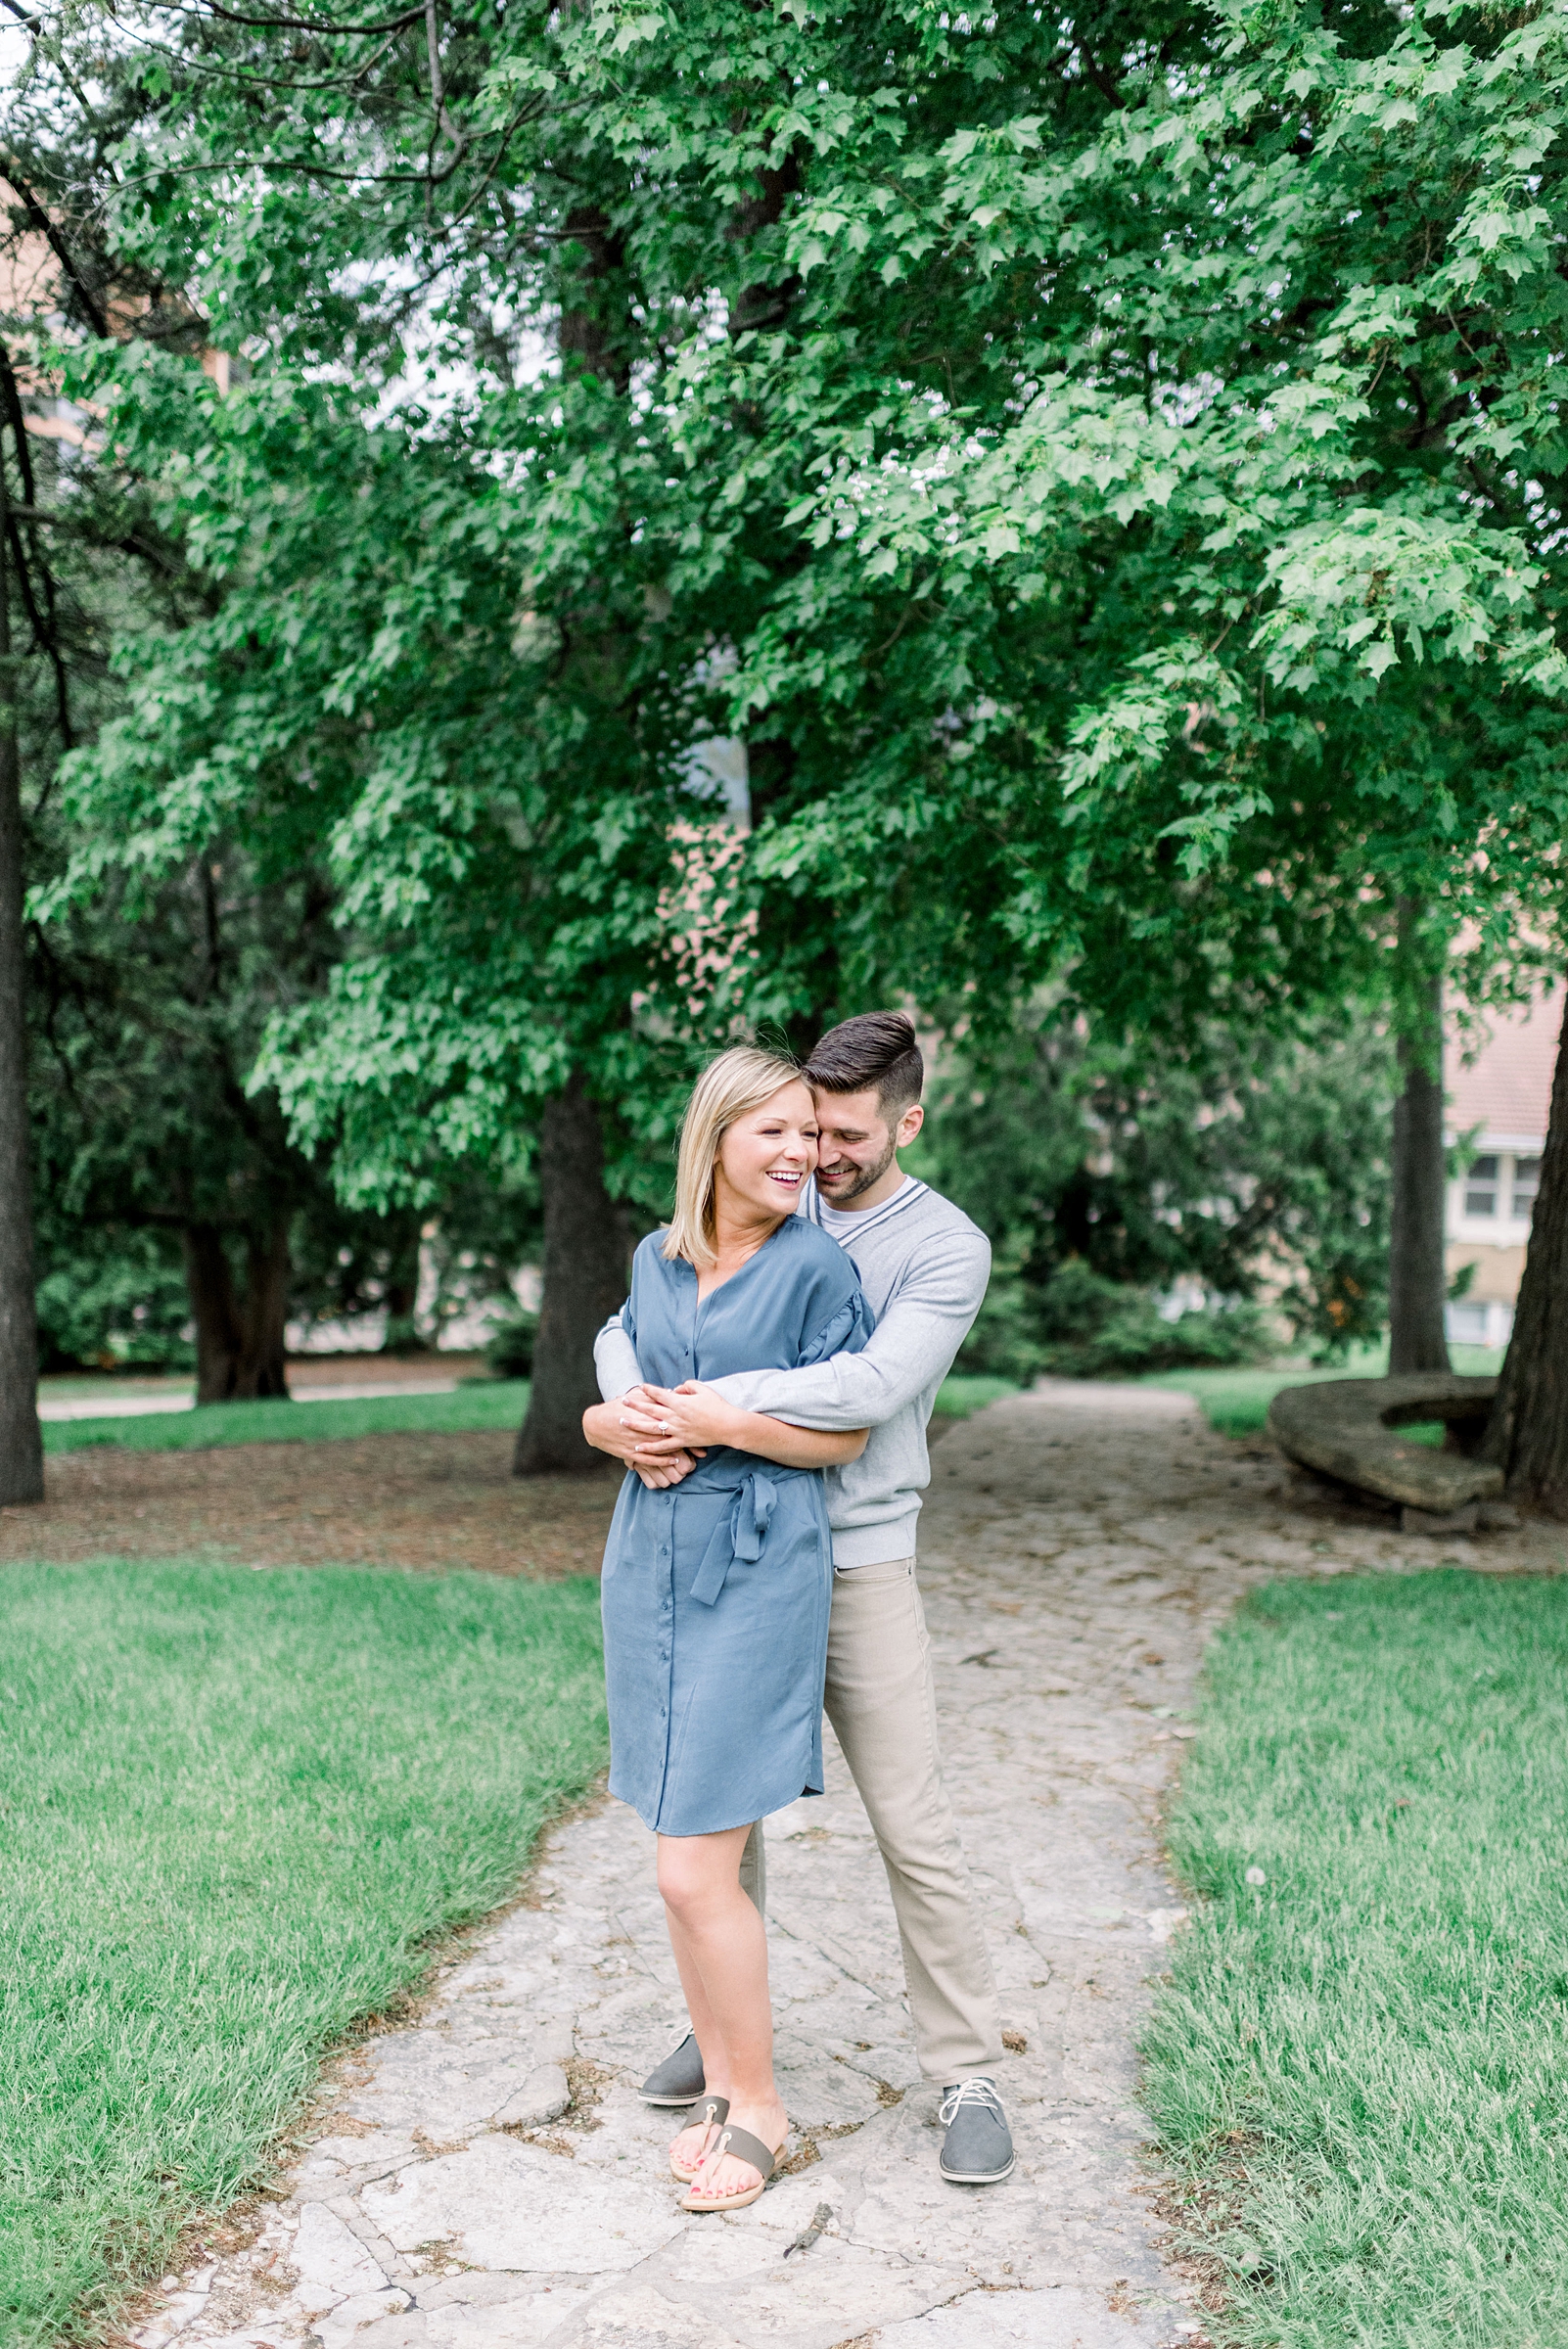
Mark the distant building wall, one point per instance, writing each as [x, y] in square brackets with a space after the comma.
[1497, 1105]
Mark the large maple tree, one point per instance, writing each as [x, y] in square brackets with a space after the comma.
[1109, 469]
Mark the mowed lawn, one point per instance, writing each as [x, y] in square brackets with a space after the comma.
[471, 1409]
[1360, 2066]
[237, 1809]
[485, 1403]
[1236, 1402]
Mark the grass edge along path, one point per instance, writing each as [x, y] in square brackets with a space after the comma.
[1356, 2063]
[241, 1812]
[480, 1404]
[963, 1392]
[498, 1402]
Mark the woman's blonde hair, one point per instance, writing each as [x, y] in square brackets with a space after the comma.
[738, 1081]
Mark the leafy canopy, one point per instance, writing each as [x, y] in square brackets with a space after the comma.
[1109, 469]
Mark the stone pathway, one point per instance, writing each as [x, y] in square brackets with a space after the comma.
[486, 2179]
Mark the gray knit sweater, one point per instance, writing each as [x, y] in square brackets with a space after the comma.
[924, 1267]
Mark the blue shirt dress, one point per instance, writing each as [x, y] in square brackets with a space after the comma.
[716, 1591]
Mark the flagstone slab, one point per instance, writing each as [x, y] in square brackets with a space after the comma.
[839, 2293]
[502, 2205]
[331, 2263]
[1063, 2318]
[450, 2086]
[348, 2319]
[522, 2320]
[643, 2319]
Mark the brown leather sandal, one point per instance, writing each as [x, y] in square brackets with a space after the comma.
[745, 2147]
[708, 2113]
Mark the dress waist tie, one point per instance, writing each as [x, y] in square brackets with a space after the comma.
[741, 1534]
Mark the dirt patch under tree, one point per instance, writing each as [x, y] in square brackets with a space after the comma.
[436, 1501]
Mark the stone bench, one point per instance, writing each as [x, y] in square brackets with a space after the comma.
[1348, 1429]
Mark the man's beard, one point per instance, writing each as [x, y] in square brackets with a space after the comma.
[867, 1177]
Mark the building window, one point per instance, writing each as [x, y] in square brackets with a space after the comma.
[1481, 1187]
[1526, 1183]
[1467, 1324]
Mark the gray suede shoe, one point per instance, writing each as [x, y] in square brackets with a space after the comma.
[978, 2149]
[678, 2080]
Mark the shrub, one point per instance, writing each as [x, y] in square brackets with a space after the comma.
[1005, 1342]
[509, 1347]
[1229, 1159]
[1081, 1326]
[120, 1301]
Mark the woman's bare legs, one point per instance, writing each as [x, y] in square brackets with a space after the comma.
[688, 2147]
[721, 1947]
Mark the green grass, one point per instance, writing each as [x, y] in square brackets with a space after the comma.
[76, 1386]
[1361, 2067]
[236, 1811]
[487, 1402]
[961, 1395]
[1236, 1402]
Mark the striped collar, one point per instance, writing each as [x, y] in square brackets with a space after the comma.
[853, 1226]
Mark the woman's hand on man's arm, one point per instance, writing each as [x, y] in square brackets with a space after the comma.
[613, 1427]
[691, 1418]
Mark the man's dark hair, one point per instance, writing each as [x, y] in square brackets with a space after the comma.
[876, 1047]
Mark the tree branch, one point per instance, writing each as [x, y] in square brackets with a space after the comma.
[39, 219]
[232, 15]
[1104, 82]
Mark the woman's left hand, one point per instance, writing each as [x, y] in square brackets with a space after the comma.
[687, 1417]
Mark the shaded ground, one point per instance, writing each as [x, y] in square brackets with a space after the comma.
[435, 1501]
[412, 1499]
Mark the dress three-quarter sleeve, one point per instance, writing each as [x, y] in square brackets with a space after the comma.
[844, 1331]
[629, 1311]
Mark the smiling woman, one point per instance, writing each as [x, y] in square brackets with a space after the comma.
[747, 1141]
[719, 1574]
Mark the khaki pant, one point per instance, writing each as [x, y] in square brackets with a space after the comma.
[882, 1704]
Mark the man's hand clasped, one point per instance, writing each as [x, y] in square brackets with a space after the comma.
[661, 1432]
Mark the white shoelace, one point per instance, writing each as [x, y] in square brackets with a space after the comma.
[977, 2090]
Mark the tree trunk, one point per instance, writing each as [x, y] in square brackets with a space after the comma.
[263, 1368]
[20, 1445]
[239, 1343]
[586, 335]
[796, 939]
[1526, 1435]
[584, 1230]
[586, 1248]
[1418, 1279]
[401, 1288]
[211, 1288]
[759, 308]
